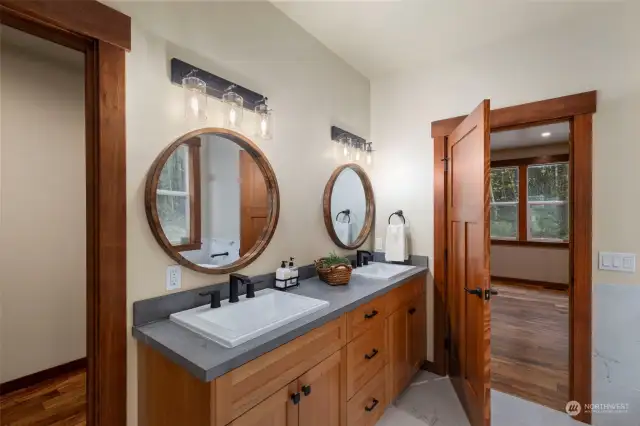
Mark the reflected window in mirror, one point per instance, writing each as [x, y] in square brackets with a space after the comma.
[178, 197]
[215, 201]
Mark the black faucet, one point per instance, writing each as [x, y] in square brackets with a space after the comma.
[215, 298]
[234, 281]
[362, 257]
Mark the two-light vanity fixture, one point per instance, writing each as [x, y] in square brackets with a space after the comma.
[199, 84]
[351, 147]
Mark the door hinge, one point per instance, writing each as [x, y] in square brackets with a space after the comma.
[446, 163]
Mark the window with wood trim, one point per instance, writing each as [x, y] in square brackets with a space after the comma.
[529, 200]
[178, 197]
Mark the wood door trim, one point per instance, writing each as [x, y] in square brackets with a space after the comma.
[564, 107]
[578, 109]
[543, 159]
[88, 18]
[102, 34]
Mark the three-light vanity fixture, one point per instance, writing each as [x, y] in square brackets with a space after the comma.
[198, 85]
[351, 147]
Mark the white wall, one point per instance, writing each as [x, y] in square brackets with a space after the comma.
[348, 193]
[42, 206]
[530, 263]
[253, 44]
[596, 50]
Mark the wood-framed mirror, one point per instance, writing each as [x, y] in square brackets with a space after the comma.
[349, 206]
[212, 200]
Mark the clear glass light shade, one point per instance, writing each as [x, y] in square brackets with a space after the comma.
[233, 113]
[264, 122]
[195, 98]
[369, 154]
[357, 155]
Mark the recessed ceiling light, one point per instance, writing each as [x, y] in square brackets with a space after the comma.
[546, 134]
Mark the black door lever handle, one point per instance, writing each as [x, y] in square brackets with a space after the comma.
[477, 291]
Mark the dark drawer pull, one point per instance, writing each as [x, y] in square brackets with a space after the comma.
[371, 315]
[295, 398]
[372, 354]
[412, 311]
[306, 390]
[375, 403]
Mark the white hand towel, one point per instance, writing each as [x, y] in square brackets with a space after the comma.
[395, 247]
[343, 231]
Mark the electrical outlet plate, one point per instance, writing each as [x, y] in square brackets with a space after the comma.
[174, 277]
[618, 262]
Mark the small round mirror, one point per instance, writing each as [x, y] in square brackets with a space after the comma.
[349, 206]
[212, 200]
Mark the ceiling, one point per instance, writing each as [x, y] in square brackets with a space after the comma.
[378, 37]
[10, 37]
[531, 136]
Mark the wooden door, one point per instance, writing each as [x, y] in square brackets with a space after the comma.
[320, 393]
[254, 203]
[279, 409]
[397, 329]
[417, 333]
[468, 263]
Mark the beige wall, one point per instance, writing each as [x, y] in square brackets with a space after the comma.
[597, 49]
[308, 86]
[42, 206]
[531, 151]
[530, 263]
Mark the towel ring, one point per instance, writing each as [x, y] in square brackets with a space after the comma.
[399, 214]
[347, 213]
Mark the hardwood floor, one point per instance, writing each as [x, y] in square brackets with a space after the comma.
[60, 402]
[530, 344]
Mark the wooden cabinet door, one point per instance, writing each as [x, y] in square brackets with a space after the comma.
[321, 395]
[417, 334]
[398, 348]
[279, 409]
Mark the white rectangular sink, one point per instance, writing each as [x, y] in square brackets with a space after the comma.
[382, 271]
[235, 323]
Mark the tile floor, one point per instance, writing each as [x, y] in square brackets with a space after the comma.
[431, 401]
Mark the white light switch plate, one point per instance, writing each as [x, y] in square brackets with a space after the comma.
[379, 244]
[174, 277]
[619, 262]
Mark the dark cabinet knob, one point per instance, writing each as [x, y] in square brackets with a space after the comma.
[295, 398]
[412, 311]
[372, 406]
[371, 315]
[306, 390]
[372, 354]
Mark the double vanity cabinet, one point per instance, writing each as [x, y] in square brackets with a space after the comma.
[342, 373]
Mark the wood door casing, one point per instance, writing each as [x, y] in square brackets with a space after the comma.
[254, 203]
[322, 405]
[277, 410]
[468, 262]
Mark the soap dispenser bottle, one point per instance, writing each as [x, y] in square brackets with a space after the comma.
[294, 272]
[282, 275]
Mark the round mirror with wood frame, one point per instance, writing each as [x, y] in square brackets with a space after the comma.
[212, 200]
[349, 206]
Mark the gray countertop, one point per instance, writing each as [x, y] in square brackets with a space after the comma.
[207, 360]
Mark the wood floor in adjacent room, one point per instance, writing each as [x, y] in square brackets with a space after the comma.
[530, 344]
[59, 402]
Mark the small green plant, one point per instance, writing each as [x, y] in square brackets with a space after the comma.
[334, 259]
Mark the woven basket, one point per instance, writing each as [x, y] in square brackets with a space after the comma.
[335, 274]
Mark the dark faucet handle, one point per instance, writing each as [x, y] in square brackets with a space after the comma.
[251, 290]
[215, 297]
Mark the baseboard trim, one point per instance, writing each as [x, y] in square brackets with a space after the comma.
[41, 376]
[524, 283]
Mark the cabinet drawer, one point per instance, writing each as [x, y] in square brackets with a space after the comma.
[362, 409]
[243, 388]
[365, 317]
[404, 294]
[366, 355]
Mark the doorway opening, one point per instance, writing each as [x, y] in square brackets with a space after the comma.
[530, 263]
[463, 295]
